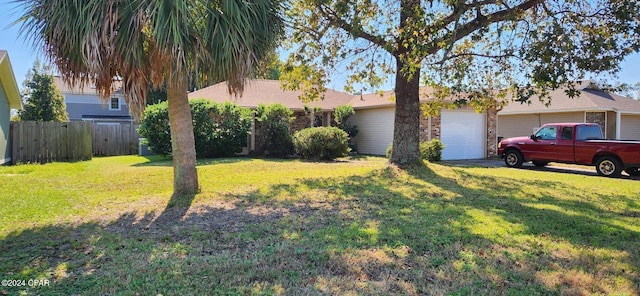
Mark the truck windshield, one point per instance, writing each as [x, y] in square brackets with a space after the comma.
[589, 132]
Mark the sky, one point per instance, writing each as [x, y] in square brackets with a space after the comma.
[22, 54]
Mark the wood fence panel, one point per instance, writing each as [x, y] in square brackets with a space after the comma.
[109, 140]
[42, 142]
[79, 141]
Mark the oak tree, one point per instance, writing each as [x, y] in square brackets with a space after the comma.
[482, 50]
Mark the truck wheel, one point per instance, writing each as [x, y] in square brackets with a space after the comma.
[513, 158]
[540, 163]
[608, 166]
[634, 172]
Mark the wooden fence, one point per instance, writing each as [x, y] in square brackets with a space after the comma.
[41, 142]
[117, 139]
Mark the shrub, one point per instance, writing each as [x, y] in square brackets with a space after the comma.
[341, 117]
[274, 130]
[220, 129]
[154, 126]
[321, 143]
[431, 150]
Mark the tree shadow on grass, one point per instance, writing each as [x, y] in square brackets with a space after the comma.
[391, 231]
[160, 161]
[176, 208]
[597, 230]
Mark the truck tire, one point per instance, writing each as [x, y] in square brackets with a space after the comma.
[608, 166]
[540, 163]
[634, 172]
[513, 158]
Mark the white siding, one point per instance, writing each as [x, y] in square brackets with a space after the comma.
[630, 127]
[463, 134]
[375, 130]
[523, 124]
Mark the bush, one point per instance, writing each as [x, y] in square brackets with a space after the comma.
[220, 129]
[274, 130]
[431, 150]
[321, 143]
[341, 117]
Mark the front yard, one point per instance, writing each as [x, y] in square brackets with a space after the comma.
[109, 226]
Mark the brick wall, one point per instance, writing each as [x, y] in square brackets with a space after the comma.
[492, 132]
[299, 122]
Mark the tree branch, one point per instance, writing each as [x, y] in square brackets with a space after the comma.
[357, 31]
[479, 22]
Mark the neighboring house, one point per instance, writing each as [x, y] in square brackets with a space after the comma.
[9, 99]
[85, 104]
[618, 116]
[465, 133]
[262, 91]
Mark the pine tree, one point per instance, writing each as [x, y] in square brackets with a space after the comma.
[42, 99]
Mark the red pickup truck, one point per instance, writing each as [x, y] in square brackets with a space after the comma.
[575, 143]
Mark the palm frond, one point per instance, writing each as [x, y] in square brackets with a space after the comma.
[148, 41]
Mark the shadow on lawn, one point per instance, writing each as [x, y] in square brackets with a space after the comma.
[161, 161]
[390, 232]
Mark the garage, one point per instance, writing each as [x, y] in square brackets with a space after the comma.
[375, 130]
[630, 127]
[463, 134]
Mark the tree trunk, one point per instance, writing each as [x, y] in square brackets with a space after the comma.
[406, 130]
[185, 176]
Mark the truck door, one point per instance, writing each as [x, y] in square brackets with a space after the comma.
[544, 147]
[564, 145]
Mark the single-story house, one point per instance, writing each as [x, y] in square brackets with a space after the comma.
[263, 91]
[9, 99]
[465, 133]
[618, 116]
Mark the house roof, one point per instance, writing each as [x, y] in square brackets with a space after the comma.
[8, 80]
[591, 99]
[87, 89]
[262, 91]
[387, 98]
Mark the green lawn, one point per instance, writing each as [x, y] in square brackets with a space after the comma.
[354, 227]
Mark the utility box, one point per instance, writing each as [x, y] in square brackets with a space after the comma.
[143, 148]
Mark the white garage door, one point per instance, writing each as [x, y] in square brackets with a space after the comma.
[463, 134]
[630, 127]
[375, 130]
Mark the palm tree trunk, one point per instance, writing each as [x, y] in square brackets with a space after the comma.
[185, 176]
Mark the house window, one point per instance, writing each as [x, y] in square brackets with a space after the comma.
[114, 104]
[597, 117]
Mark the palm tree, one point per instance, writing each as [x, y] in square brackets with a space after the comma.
[155, 41]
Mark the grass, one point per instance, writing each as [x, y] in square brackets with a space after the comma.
[355, 227]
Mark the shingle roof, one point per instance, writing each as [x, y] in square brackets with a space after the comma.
[262, 91]
[87, 89]
[387, 99]
[590, 98]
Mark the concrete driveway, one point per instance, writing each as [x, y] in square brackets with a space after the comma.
[552, 167]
